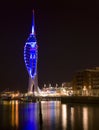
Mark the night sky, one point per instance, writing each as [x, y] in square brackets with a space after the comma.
[67, 35]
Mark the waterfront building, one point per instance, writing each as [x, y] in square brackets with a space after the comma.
[86, 82]
[31, 58]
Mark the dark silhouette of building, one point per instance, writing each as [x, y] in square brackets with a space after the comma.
[86, 82]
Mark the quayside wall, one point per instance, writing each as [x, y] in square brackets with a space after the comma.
[80, 99]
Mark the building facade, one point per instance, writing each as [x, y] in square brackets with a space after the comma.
[86, 82]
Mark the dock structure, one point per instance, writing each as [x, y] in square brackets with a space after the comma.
[62, 99]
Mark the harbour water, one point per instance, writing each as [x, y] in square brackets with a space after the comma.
[48, 115]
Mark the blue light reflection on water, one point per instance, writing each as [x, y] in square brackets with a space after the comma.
[51, 115]
[29, 118]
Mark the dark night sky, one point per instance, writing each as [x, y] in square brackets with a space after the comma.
[67, 35]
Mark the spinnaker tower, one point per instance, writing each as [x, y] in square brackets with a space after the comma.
[31, 59]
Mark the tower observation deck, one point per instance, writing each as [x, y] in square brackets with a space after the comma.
[31, 58]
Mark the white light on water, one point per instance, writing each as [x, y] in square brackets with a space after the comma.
[85, 118]
[64, 116]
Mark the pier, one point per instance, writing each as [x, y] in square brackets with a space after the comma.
[63, 99]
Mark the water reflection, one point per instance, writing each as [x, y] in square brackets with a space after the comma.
[48, 115]
[64, 116]
[29, 118]
[15, 114]
[51, 115]
[72, 117]
[9, 115]
[40, 115]
[85, 118]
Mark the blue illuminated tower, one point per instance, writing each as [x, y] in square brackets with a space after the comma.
[31, 58]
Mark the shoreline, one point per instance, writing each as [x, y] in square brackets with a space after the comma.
[63, 99]
[80, 99]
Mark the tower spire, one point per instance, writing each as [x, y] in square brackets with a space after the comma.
[33, 24]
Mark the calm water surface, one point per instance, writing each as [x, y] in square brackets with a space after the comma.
[48, 115]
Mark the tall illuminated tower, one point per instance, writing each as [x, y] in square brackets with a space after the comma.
[30, 58]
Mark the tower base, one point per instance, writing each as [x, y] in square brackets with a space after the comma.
[33, 86]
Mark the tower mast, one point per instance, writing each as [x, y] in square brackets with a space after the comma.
[33, 24]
